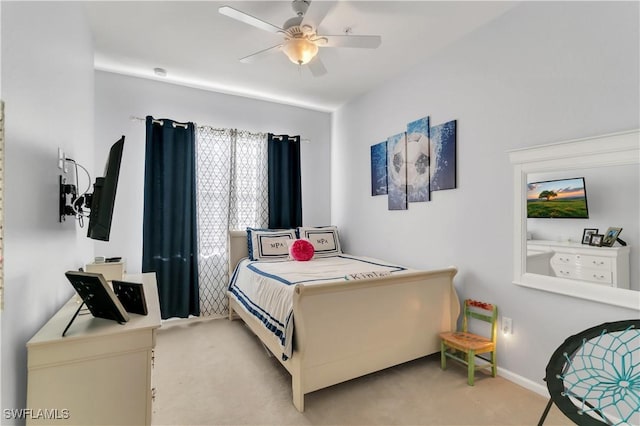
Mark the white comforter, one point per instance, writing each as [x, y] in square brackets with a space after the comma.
[265, 288]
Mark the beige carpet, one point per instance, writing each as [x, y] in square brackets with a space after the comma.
[216, 372]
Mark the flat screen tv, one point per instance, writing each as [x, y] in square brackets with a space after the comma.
[559, 199]
[104, 195]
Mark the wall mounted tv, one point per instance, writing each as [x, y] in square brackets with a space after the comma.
[104, 195]
[558, 199]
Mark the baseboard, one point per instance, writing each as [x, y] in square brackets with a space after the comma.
[524, 382]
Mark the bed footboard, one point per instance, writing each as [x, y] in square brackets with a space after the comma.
[373, 324]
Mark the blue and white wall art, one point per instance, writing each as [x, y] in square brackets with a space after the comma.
[397, 171]
[408, 166]
[379, 168]
[443, 156]
[418, 160]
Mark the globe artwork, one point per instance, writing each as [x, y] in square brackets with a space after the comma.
[379, 168]
[397, 172]
[417, 161]
[443, 156]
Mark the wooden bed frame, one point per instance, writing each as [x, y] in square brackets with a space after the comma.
[346, 331]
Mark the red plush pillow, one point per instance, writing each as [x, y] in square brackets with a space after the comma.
[301, 250]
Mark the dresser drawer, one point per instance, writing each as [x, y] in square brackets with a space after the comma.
[564, 259]
[595, 275]
[595, 262]
[581, 261]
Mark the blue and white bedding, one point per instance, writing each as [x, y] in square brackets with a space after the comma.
[265, 288]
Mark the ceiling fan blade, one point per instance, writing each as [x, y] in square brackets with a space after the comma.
[316, 13]
[361, 41]
[317, 67]
[261, 54]
[248, 19]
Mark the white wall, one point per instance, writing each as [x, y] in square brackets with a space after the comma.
[47, 84]
[541, 73]
[119, 97]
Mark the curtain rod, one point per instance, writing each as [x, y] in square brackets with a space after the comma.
[143, 120]
[160, 122]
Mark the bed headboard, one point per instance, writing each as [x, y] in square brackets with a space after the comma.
[237, 248]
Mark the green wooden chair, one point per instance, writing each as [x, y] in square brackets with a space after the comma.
[464, 346]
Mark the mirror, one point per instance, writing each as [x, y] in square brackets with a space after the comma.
[610, 166]
[611, 200]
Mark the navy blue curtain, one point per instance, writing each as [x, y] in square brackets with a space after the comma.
[285, 189]
[169, 245]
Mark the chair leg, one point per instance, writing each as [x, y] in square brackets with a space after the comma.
[443, 357]
[494, 365]
[471, 355]
[546, 411]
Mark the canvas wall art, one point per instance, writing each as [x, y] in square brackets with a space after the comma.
[443, 156]
[418, 161]
[397, 171]
[379, 168]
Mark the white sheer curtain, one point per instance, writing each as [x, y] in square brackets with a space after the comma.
[232, 193]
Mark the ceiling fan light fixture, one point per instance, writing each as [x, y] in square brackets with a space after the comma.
[300, 50]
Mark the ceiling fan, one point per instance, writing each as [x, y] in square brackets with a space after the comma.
[301, 38]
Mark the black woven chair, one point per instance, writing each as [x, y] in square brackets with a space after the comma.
[594, 376]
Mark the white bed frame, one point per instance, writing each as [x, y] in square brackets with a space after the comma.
[346, 331]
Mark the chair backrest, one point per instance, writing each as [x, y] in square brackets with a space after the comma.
[474, 309]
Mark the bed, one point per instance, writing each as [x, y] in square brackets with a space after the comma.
[349, 328]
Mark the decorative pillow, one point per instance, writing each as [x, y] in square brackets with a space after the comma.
[301, 250]
[269, 244]
[324, 239]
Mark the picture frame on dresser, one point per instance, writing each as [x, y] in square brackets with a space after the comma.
[596, 240]
[587, 233]
[611, 236]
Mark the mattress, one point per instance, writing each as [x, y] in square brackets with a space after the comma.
[265, 288]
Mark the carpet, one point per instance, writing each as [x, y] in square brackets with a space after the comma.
[216, 372]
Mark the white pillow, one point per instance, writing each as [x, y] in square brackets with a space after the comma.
[269, 244]
[324, 239]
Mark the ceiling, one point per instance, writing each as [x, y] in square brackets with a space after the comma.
[199, 47]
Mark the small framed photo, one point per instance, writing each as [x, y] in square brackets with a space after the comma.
[587, 233]
[611, 236]
[131, 295]
[596, 240]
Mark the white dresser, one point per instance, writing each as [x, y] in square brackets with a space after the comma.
[100, 372]
[603, 265]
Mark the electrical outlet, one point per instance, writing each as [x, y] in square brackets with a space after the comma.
[507, 325]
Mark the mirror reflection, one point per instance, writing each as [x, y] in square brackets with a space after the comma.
[570, 214]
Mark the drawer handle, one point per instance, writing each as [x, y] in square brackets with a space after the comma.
[601, 277]
[598, 263]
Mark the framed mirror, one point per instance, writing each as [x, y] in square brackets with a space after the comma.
[595, 156]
